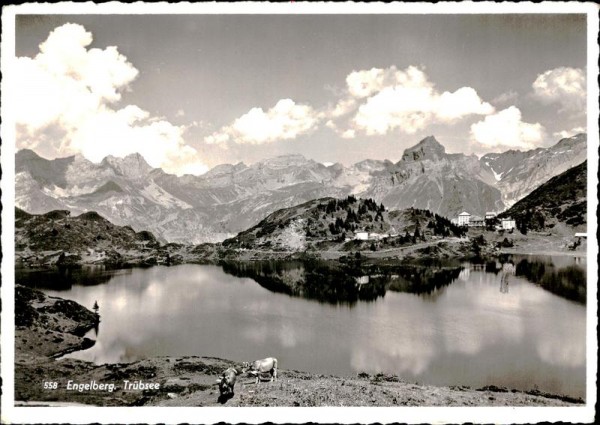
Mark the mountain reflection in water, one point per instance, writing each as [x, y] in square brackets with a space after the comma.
[339, 283]
[569, 282]
[436, 323]
[63, 278]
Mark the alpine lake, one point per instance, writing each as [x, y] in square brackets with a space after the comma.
[515, 321]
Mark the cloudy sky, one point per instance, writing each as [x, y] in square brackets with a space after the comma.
[192, 91]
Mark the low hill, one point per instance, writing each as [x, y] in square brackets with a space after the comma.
[57, 238]
[58, 230]
[319, 223]
[562, 200]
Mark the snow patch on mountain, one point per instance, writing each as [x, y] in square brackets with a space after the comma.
[60, 192]
[521, 172]
[357, 180]
[159, 196]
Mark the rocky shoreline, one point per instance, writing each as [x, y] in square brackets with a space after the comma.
[48, 327]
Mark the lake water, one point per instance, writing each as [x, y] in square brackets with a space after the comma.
[475, 325]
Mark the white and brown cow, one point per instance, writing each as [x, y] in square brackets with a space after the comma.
[261, 367]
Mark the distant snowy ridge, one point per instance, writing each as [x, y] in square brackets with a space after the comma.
[231, 198]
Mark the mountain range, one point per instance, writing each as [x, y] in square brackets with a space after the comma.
[233, 197]
[517, 173]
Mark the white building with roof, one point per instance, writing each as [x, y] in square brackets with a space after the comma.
[464, 218]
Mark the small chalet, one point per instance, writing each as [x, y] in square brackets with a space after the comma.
[508, 224]
[361, 236]
[378, 236]
[476, 221]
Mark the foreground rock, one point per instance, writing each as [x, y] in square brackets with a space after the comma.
[49, 326]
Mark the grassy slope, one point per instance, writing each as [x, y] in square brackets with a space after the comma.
[562, 200]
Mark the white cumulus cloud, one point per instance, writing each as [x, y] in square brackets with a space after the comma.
[388, 99]
[66, 104]
[407, 100]
[506, 129]
[406, 107]
[565, 86]
[464, 101]
[569, 133]
[343, 107]
[286, 120]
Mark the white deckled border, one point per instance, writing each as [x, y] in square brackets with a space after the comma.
[297, 414]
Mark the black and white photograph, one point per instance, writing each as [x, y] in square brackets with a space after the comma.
[284, 207]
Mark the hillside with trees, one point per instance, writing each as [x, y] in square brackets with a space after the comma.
[562, 200]
[321, 223]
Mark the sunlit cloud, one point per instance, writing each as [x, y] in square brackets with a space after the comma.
[564, 86]
[506, 129]
[284, 121]
[383, 100]
[67, 104]
[568, 133]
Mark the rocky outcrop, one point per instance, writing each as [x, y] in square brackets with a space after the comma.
[49, 326]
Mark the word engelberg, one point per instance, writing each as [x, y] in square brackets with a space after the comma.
[89, 386]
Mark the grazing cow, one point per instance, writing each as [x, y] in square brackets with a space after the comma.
[259, 367]
[227, 382]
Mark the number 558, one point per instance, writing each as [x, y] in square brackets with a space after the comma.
[50, 385]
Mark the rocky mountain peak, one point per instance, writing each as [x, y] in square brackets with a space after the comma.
[428, 148]
[224, 169]
[569, 142]
[133, 165]
[283, 161]
[26, 155]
